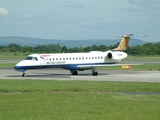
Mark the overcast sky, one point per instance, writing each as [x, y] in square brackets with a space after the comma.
[80, 19]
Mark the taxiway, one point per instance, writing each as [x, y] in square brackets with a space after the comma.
[104, 75]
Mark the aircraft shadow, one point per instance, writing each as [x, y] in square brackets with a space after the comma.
[47, 75]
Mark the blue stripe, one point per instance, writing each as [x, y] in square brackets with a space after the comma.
[64, 66]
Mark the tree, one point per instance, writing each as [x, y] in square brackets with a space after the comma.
[64, 49]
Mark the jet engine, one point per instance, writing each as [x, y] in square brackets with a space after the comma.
[116, 55]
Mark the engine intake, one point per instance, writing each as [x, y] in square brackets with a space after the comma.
[109, 55]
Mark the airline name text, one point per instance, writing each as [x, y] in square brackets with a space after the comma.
[57, 62]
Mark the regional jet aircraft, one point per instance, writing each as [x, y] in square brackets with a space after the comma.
[76, 61]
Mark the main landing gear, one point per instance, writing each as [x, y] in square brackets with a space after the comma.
[94, 72]
[74, 72]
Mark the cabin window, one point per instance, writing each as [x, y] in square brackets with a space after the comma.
[63, 58]
[86, 58]
[56, 58]
[66, 58]
[89, 57]
[70, 58]
[98, 57]
[92, 57]
[80, 58]
[76, 58]
[95, 57]
[101, 57]
[53, 58]
[50, 59]
[59, 58]
[73, 58]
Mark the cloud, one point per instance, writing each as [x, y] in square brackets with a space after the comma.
[27, 16]
[138, 5]
[73, 6]
[3, 11]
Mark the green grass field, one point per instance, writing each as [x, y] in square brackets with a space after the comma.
[77, 100]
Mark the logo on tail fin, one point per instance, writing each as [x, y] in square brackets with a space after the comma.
[123, 45]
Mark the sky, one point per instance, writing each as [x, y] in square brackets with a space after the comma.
[80, 19]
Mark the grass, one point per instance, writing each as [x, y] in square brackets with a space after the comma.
[77, 100]
[26, 86]
[7, 65]
[13, 55]
[144, 58]
[144, 67]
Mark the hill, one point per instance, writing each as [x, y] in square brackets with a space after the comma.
[27, 41]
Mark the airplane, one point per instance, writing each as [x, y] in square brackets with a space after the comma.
[76, 61]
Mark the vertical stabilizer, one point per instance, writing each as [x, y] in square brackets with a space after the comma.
[123, 45]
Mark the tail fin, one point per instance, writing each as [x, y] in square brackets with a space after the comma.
[123, 45]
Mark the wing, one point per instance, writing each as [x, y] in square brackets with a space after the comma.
[93, 66]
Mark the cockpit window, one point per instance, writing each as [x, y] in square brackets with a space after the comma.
[28, 58]
[31, 58]
[35, 58]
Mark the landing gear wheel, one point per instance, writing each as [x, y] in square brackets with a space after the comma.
[95, 73]
[74, 72]
[24, 75]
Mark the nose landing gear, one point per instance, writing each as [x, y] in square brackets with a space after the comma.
[24, 74]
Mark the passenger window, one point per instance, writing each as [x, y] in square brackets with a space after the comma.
[56, 58]
[63, 58]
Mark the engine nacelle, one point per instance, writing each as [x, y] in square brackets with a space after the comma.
[116, 55]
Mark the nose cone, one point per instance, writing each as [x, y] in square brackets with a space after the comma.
[19, 65]
[16, 67]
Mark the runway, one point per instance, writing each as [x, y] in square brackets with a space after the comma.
[104, 75]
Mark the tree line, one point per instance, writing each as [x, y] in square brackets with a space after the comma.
[146, 49]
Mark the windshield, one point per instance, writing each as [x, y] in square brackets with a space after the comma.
[31, 58]
[28, 58]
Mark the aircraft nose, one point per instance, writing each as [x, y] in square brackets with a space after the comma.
[18, 65]
[15, 67]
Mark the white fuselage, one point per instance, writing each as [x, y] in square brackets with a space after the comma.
[71, 61]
